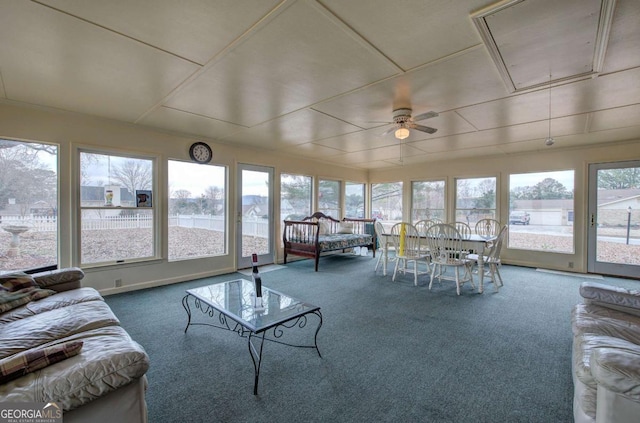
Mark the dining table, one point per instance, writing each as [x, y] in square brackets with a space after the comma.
[473, 242]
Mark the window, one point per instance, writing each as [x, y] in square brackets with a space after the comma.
[113, 228]
[427, 200]
[354, 199]
[295, 196]
[541, 211]
[475, 200]
[28, 206]
[197, 210]
[386, 202]
[329, 198]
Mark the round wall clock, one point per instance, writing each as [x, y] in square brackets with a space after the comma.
[200, 152]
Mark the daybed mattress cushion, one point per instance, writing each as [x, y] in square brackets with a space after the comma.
[109, 360]
[332, 242]
[59, 300]
[53, 325]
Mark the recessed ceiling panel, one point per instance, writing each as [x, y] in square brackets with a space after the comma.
[188, 123]
[500, 136]
[383, 153]
[410, 31]
[623, 51]
[300, 58]
[604, 92]
[313, 150]
[52, 59]
[193, 29]
[468, 78]
[297, 128]
[446, 124]
[453, 155]
[620, 117]
[576, 140]
[531, 40]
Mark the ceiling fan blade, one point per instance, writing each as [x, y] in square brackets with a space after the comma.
[388, 131]
[425, 116]
[427, 129]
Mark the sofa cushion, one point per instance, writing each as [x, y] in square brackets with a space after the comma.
[35, 359]
[58, 277]
[109, 360]
[59, 300]
[617, 370]
[611, 296]
[53, 325]
[595, 319]
[583, 346]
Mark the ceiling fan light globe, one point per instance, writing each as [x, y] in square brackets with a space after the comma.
[549, 141]
[402, 133]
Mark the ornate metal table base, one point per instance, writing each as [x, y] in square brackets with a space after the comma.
[273, 333]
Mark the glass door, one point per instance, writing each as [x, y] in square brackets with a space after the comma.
[614, 219]
[254, 232]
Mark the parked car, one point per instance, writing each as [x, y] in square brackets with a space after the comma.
[519, 217]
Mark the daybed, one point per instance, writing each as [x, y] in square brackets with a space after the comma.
[63, 344]
[606, 355]
[319, 233]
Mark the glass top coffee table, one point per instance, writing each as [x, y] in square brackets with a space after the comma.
[230, 304]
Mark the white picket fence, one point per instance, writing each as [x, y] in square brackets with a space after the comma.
[252, 226]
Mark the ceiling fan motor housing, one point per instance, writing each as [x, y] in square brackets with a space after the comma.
[401, 116]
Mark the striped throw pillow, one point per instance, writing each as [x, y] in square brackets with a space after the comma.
[29, 361]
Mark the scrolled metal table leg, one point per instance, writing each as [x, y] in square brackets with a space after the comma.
[185, 304]
[256, 357]
[315, 340]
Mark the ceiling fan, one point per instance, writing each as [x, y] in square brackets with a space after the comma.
[403, 122]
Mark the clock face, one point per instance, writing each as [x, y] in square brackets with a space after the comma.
[200, 152]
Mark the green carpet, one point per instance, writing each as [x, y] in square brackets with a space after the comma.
[391, 352]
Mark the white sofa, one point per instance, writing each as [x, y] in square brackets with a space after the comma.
[606, 355]
[104, 382]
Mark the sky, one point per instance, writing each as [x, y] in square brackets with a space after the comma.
[565, 177]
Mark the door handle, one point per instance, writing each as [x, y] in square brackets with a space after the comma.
[593, 219]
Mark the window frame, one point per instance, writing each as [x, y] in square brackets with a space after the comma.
[156, 207]
[225, 170]
[444, 204]
[514, 229]
[496, 200]
[364, 197]
[340, 195]
[57, 197]
[373, 210]
[311, 191]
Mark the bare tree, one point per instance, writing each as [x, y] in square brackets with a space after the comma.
[24, 177]
[133, 174]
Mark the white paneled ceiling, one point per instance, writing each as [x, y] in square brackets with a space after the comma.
[320, 78]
